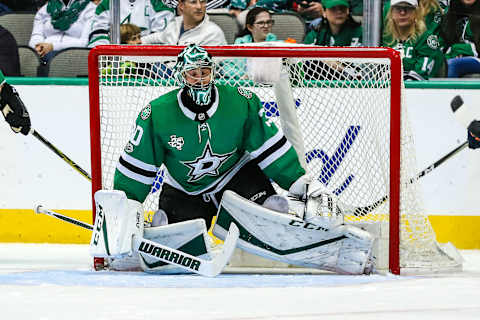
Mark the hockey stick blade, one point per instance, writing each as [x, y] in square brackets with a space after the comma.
[208, 268]
[363, 211]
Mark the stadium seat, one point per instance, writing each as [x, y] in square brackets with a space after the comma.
[227, 23]
[29, 61]
[20, 26]
[71, 62]
[289, 25]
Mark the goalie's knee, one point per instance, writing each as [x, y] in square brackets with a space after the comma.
[160, 218]
[277, 203]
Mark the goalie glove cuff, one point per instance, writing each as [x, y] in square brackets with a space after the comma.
[299, 187]
[13, 110]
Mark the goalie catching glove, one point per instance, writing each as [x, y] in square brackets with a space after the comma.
[13, 109]
[315, 203]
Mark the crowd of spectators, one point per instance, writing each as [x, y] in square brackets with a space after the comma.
[437, 38]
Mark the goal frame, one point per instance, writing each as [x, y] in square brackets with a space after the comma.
[267, 52]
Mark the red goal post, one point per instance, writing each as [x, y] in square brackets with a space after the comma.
[332, 81]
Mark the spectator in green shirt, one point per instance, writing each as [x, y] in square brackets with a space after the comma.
[461, 31]
[406, 32]
[337, 27]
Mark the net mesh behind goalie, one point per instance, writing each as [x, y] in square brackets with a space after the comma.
[343, 99]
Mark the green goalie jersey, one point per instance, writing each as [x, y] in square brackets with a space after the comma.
[202, 151]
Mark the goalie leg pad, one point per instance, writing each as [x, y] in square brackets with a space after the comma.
[355, 254]
[189, 236]
[286, 238]
[117, 221]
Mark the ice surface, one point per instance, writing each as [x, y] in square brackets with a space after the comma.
[44, 281]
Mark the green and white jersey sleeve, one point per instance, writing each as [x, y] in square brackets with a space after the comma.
[149, 15]
[203, 151]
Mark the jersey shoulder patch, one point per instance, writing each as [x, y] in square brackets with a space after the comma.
[432, 42]
[246, 93]
[146, 112]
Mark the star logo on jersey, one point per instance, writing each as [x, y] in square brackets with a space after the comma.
[206, 164]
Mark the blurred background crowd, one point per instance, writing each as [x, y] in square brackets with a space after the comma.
[437, 38]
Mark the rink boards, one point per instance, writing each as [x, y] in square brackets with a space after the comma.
[31, 174]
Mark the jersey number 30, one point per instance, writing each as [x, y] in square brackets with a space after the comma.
[136, 136]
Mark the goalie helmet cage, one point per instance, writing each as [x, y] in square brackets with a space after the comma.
[349, 106]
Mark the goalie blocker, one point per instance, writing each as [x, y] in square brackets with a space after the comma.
[283, 237]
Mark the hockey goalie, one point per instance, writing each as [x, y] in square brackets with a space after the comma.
[220, 153]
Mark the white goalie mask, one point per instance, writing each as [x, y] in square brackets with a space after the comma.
[195, 71]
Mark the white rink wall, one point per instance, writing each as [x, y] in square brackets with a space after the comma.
[31, 174]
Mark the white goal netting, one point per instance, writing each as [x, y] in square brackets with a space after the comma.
[343, 100]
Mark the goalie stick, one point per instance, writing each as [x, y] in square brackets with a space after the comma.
[39, 209]
[208, 268]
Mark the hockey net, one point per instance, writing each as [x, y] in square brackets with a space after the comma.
[355, 131]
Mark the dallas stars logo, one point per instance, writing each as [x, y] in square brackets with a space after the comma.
[206, 164]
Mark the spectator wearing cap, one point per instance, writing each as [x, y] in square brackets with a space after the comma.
[432, 12]
[337, 28]
[406, 32]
